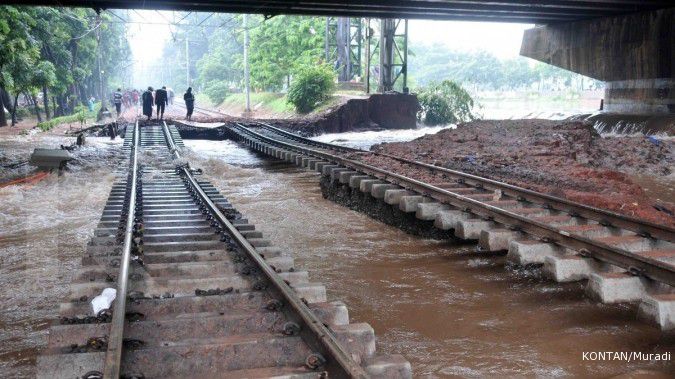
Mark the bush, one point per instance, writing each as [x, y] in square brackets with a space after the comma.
[216, 91]
[445, 103]
[80, 115]
[311, 85]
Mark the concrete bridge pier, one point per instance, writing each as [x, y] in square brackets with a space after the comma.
[634, 54]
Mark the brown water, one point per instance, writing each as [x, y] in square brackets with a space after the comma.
[43, 233]
[450, 311]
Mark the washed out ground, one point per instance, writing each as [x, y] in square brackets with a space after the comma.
[632, 175]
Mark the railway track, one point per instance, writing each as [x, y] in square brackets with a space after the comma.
[199, 291]
[624, 259]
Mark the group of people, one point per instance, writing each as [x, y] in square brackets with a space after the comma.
[151, 98]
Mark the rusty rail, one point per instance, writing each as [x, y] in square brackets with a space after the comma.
[648, 267]
[113, 355]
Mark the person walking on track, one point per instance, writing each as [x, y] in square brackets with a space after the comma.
[161, 100]
[147, 102]
[189, 99]
[117, 99]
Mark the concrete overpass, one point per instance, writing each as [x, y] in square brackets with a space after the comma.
[525, 11]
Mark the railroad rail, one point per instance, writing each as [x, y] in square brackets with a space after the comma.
[625, 259]
[199, 292]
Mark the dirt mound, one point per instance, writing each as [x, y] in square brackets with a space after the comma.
[564, 158]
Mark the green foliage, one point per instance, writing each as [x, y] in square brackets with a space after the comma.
[445, 103]
[282, 45]
[216, 91]
[54, 50]
[80, 115]
[311, 85]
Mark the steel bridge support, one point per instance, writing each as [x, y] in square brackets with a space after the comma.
[393, 54]
[343, 45]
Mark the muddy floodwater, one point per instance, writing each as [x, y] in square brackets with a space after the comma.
[452, 312]
[43, 233]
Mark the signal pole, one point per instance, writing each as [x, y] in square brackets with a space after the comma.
[187, 59]
[247, 80]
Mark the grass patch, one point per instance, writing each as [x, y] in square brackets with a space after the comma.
[81, 115]
[273, 102]
[201, 99]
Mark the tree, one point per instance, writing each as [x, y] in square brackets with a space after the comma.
[43, 78]
[283, 44]
[54, 51]
[17, 50]
[445, 103]
[311, 85]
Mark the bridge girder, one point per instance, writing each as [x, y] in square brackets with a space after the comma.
[524, 11]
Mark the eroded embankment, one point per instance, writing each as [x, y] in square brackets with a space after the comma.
[562, 158]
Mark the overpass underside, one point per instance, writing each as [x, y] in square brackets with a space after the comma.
[525, 11]
[634, 54]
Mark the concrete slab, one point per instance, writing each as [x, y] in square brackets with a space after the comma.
[409, 204]
[358, 339]
[367, 185]
[659, 310]
[355, 181]
[388, 367]
[470, 229]
[393, 196]
[325, 170]
[345, 175]
[615, 287]
[335, 173]
[312, 292]
[569, 268]
[526, 251]
[320, 165]
[427, 211]
[497, 239]
[313, 162]
[447, 219]
[378, 190]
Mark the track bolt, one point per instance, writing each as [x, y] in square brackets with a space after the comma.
[93, 375]
[98, 343]
[291, 329]
[274, 305]
[314, 361]
[104, 315]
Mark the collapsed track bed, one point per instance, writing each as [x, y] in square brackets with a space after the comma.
[200, 292]
[623, 259]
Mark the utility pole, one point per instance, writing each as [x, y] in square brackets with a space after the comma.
[369, 35]
[98, 59]
[247, 79]
[187, 59]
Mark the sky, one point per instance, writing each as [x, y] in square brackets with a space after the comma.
[501, 39]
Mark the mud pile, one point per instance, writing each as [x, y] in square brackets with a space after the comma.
[564, 158]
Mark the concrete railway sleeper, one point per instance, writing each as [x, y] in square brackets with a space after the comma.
[206, 294]
[622, 259]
